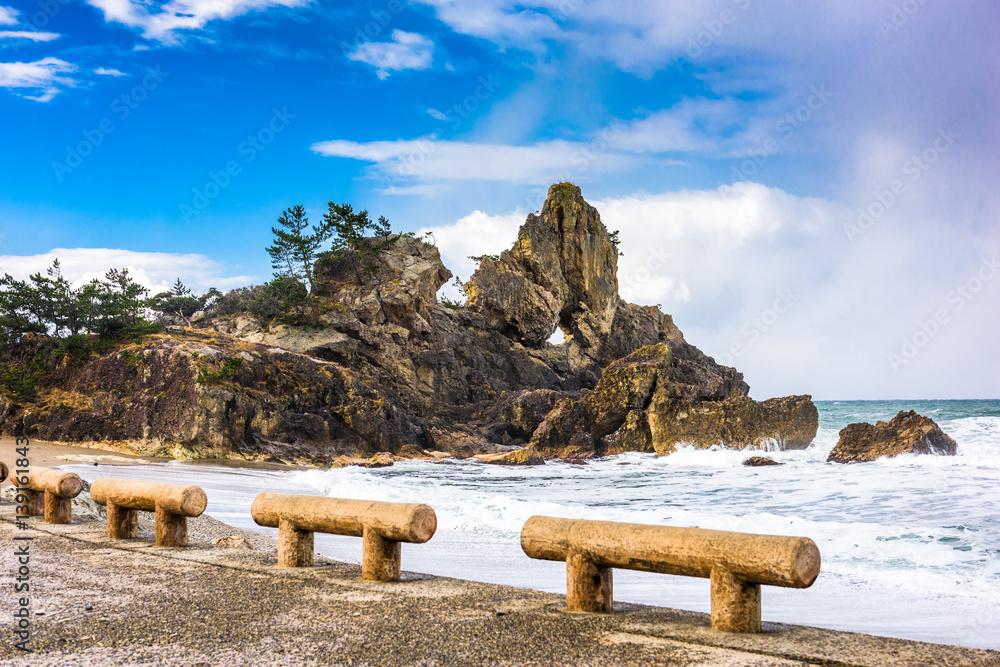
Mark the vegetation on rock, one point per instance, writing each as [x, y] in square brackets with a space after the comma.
[348, 352]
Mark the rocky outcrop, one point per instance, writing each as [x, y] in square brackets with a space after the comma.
[388, 369]
[214, 397]
[563, 272]
[669, 394]
[907, 432]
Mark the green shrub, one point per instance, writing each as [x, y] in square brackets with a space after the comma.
[229, 369]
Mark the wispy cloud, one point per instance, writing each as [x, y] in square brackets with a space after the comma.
[8, 15]
[407, 50]
[105, 71]
[29, 35]
[722, 127]
[505, 22]
[40, 80]
[428, 159]
[179, 15]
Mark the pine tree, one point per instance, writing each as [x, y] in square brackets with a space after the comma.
[295, 246]
[358, 239]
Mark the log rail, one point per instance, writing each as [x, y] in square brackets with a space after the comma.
[381, 525]
[172, 503]
[50, 492]
[736, 563]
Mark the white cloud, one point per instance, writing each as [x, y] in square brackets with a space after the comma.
[407, 50]
[104, 71]
[506, 22]
[717, 127]
[687, 246]
[154, 270]
[8, 15]
[475, 234]
[39, 80]
[178, 15]
[33, 36]
[720, 261]
[429, 159]
[679, 246]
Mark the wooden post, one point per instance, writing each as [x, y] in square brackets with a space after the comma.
[588, 585]
[381, 526]
[295, 546]
[58, 509]
[171, 529]
[171, 503]
[51, 492]
[36, 502]
[123, 523]
[736, 563]
[380, 557]
[735, 603]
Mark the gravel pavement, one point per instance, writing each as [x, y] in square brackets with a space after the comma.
[96, 601]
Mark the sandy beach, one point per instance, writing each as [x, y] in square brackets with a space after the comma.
[50, 454]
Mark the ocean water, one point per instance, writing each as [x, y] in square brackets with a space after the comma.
[910, 545]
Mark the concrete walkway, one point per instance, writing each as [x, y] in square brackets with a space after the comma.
[100, 602]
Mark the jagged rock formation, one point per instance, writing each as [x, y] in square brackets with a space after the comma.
[390, 369]
[907, 432]
[563, 272]
[668, 394]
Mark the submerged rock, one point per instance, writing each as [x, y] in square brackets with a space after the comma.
[761, 461]
[907, 432]
[521, 457]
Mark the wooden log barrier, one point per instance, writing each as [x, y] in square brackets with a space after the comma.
[736, 563]
[51, 492]
[172, 503]
[381, 525]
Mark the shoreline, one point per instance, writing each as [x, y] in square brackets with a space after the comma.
[163, 606]
[836, 602]
[47, 454]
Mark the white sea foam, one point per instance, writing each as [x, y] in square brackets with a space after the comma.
[900, 538]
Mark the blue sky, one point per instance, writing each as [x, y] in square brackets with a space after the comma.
[807, 187]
